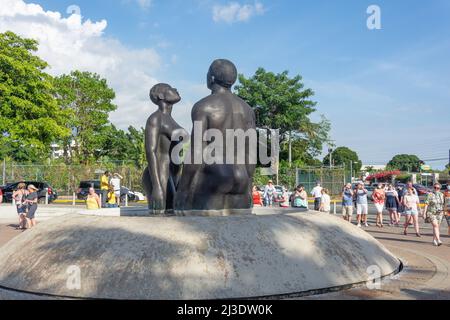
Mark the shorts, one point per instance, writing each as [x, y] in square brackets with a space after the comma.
[379, 206]
[362, 209]
[117, 194]
[436, 217]
[21, 210]
[412, 212]
[347, 211]
[31, 212]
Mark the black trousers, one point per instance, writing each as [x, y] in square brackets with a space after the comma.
[104, 194]
[317, 203]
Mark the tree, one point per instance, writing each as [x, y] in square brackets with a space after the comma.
[344, 156]
[124, 146]
[88, 100]
[283, 103]
[30, 119]
[405, 162]
[370, 169]
[136, 137]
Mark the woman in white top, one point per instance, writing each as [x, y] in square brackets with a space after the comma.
[325, 203]
[411, 202]
[115, 182]
[19, 197]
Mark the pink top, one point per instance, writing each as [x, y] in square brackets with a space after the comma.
[411, 202]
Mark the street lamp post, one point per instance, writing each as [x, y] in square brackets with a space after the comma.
[351, 171]
[330, 150]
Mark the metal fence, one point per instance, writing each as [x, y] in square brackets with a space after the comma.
[332, 179]
[66, 178]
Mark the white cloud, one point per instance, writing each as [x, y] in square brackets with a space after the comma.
[73, 44]
[236, 12]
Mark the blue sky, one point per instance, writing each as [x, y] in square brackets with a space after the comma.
[385, 91]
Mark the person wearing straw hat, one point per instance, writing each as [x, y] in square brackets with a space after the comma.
[32, 203]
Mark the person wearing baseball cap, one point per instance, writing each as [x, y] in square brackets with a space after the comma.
[32, 203]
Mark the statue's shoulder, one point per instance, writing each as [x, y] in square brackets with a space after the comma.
[154, 119]
[245, 106]
[206, 105]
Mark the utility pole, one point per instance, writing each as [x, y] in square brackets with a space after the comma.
[4, 172]
[330, 150]
[351, 171]
[290, 149]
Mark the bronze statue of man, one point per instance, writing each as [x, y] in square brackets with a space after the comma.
[161, 177]
[220, 188]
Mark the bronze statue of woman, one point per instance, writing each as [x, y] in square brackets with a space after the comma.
[160, 178]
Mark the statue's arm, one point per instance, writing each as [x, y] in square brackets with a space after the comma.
[152, 133]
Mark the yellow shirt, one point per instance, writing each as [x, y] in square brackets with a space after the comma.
[91, 203]
[104, 182]
[111, 198]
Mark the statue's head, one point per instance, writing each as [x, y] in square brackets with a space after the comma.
[223, 73]
[164, 92]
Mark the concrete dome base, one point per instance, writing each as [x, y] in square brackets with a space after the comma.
[191, 257]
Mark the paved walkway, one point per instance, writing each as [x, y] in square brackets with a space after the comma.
[8, 231]
[426, 274]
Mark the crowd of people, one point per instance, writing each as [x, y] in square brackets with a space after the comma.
[397, 201]
[26, 199]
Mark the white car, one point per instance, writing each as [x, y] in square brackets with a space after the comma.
[138, 195]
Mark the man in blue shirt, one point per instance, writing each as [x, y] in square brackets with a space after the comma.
[347, 202]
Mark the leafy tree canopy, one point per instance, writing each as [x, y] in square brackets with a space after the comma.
[405, 162]
[30, 119]
[344, 156]
[88, 100]
[281, 102]
[124, 146]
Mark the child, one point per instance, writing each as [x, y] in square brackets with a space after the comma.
[325, 205]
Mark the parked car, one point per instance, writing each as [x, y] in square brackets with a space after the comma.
[83, 191]
[422, 190]
[139, 196]
[43, 188]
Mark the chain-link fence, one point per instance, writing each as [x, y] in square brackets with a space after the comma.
[66, 178]
[332, 179]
